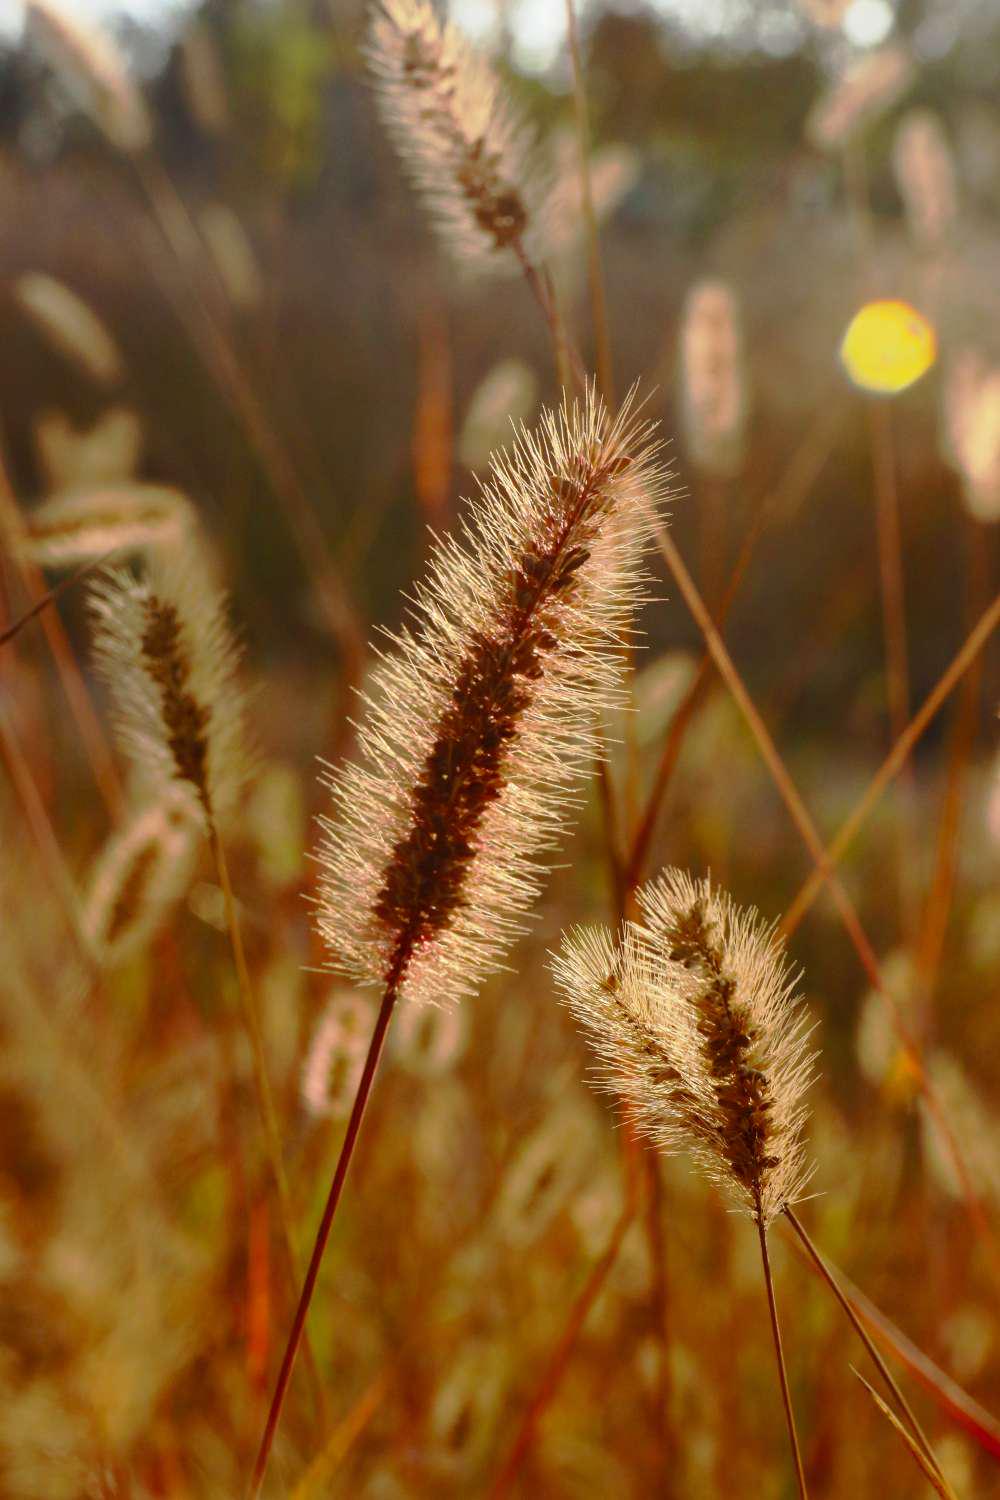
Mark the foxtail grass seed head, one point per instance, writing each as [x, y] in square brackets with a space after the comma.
[547, 1170]
[826, 13]
[105, 453]
[336, 1055]
[162, 643]
[70, 326]
[89, 523]
[971, 411]
[613, 171]
[694, 1020]
[233, 255]
[866, 89]
[713, 379]
[507, 395]
[93, 71]
[463, 1416]
[481, 720]
[428, 1041]
[203, 79]
[464, 146]
[141, 873]
[925, 176]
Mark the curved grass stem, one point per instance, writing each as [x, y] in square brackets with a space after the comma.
[825, 1272]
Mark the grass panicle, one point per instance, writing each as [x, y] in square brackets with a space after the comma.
[693, 1017]
[70, 326]
[713, 379]
[469, 154]
[94, 72]
[91, 521]
[481, 721]
[139, 876]
[163, 644]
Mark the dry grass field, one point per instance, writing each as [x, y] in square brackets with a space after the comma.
[500, 798]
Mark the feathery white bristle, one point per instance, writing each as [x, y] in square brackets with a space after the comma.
[649, 1016]
[205, 674]
[465, 148]
[465, 601]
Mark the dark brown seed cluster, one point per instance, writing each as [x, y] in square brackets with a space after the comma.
[496, 204]
[741, 1090]
[186, 720]
[463, 773]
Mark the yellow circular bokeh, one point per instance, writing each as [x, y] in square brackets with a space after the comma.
[887, 346]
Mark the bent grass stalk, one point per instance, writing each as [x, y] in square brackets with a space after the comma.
[91, 734]
[780, 504]
[987, 623]
[50, 596]
[930, 1472]
[831, 1281]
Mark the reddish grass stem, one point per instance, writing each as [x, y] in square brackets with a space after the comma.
[897, 666]
[91, 734]
[786, 1398]
[598, 295]
[827, 1274]
[835, 851]
[323, 1233]
[567, 356]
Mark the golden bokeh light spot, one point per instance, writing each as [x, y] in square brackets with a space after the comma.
[887, 346]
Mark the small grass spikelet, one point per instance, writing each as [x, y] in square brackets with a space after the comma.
[865, 90]
[70, 325]
[467, 152]
[140, 874]
[695, 1023]
[481, 722]
[713, 378]
[89, 522]
[162, 643]
[971, 412]
[94, 72]
[925, 176]
[336, 1055]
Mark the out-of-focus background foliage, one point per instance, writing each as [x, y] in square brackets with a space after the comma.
[286, 323]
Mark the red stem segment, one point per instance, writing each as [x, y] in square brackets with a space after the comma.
[786, 1398]
[323, 1235]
